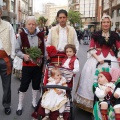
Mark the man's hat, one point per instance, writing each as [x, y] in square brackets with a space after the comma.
[107, 75]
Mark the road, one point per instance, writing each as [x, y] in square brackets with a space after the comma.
[78, 113]
[27, 109]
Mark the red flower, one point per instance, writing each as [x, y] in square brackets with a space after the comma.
[51, 50]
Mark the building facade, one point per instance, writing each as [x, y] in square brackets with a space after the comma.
[74, 5]
[114, 8]
[30, 7]
[46, 11]
[53, 13]
[50, 11]
[16, 11]
[87, 10]
[25, 8]
[9, 14]
[98, 14]
[22, 11]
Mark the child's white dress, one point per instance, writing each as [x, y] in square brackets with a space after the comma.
[50, 99]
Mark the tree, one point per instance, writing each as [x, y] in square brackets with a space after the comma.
[54, 23]
[74, 17]
[42, 21]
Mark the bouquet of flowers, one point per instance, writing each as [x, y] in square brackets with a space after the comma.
[51, 50]
[35, 54]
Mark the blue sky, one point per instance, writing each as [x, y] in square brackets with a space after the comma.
[38, 3]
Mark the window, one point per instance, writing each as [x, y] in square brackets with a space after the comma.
[112, 13]
[4, 3]
[118, 12]
[12, 6]
[87, 14]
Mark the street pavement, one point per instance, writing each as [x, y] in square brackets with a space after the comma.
[27, 108]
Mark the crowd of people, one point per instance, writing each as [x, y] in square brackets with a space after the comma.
[66, 40]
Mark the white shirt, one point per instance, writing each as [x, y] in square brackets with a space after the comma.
[12, 40]
[1, 47]
[62, 39]
[76, 65]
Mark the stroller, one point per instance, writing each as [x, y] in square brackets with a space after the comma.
[39, 112]
[110, 101]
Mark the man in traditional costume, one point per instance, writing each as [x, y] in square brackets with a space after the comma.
[62, 34]
[7, 51]
[30, 37]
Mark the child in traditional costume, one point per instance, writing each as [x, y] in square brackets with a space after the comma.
[108, 96]
[54, 99]
[70, 61]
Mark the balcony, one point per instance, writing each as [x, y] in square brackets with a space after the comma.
[8, 15]
[24, 10]
[75, 2]
[76, 8]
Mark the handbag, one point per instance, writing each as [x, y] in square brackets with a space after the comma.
[17, 63]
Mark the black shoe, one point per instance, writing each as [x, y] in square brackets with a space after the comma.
[19, 112]
[7, 110]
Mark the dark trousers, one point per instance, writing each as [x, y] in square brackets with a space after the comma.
[29, 74]
[6, 84]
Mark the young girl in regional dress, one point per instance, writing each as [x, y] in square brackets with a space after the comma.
[70, 61]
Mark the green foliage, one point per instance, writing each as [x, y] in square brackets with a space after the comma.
[54, 23]
[42, 21]
[34, 52]
[74, 17]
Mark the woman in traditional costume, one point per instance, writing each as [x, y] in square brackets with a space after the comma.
[100, 49]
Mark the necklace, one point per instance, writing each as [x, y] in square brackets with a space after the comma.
[106, 35]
